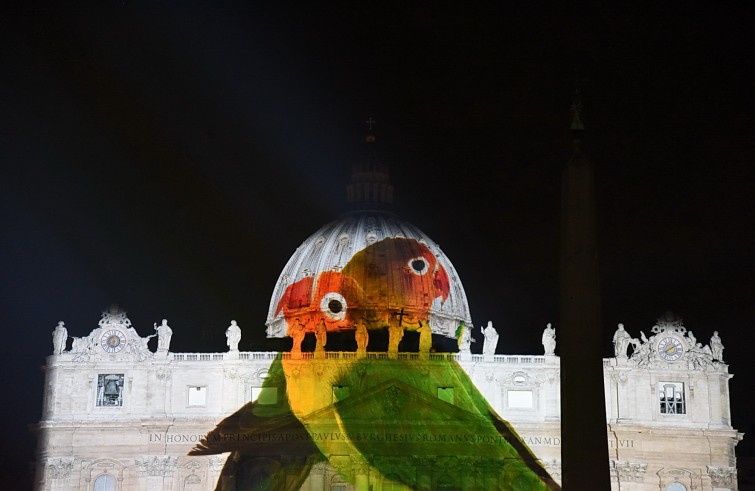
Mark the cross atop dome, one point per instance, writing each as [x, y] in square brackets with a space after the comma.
[576, 110]
[370, 135]
[370, 185]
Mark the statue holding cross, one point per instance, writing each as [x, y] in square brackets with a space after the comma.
[396, 331]
[490, 341]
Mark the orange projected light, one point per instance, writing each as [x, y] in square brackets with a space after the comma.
[390, 278]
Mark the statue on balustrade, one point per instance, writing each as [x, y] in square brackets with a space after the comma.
[233, 336]
[549, 339]
[490, 341]
[59, 338]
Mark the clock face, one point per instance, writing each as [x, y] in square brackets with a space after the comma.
[113, 341]
[670, 349]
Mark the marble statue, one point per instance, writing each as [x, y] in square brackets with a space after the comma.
[490, 341]
[164, 333]
[297, 333]
[361, 336]
[549, 339]
[465, 340]
[636, 344]
[691, 340]
[233, 336]
[621, 340]
[140, 348]
[642, 353]
[425, 337]
[59, 338]
[321, 335]
[395, 335]
[700, 357]
[79, 345]
[716, 347]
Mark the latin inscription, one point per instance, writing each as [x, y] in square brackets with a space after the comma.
[178, 438]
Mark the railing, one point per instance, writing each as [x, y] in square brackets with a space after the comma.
[519, 359]
[197, 356]
[259, 355]
[352, 355]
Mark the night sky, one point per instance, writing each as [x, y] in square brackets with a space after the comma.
[171, 158]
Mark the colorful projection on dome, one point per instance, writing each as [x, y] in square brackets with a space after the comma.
[380, 420]
[393, 281]
[420, 425]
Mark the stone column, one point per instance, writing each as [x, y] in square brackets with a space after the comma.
[714, 397]
[424, 468]
[722, 478]
[317, 477]
[361, 470]
[215, 465]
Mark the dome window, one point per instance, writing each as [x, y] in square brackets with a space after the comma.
[334, 306]
[418, 265]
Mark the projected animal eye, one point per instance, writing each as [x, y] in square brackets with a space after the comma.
[334, 306]
[418, 265]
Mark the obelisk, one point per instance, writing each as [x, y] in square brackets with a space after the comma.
[584, 450]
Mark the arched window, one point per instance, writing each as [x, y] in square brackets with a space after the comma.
[338, 484]
[676, 486]
[104, 483]
[192, 483]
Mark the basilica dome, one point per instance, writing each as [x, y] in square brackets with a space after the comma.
[368, 267]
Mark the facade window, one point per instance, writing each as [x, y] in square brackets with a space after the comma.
[265, 395]
[337, 484]
[192, 483]
[671, 395]
[676, 486]
[519, 399]
[197, 396]
[104, 483]
[110, 390]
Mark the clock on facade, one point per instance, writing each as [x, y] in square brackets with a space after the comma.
[670, 348]
[113, 341]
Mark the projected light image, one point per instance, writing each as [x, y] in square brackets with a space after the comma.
[388, 276]
[410, 424]
[378, 419]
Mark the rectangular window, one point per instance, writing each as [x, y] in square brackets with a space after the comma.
[519, 399]
[671, 396]
[446, 394]
[197, 396]
[110, 390]
[265, 395]
[340, 392]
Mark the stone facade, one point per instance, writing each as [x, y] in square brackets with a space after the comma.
[118, 416]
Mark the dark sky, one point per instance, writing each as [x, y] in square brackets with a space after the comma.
[171, 158]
